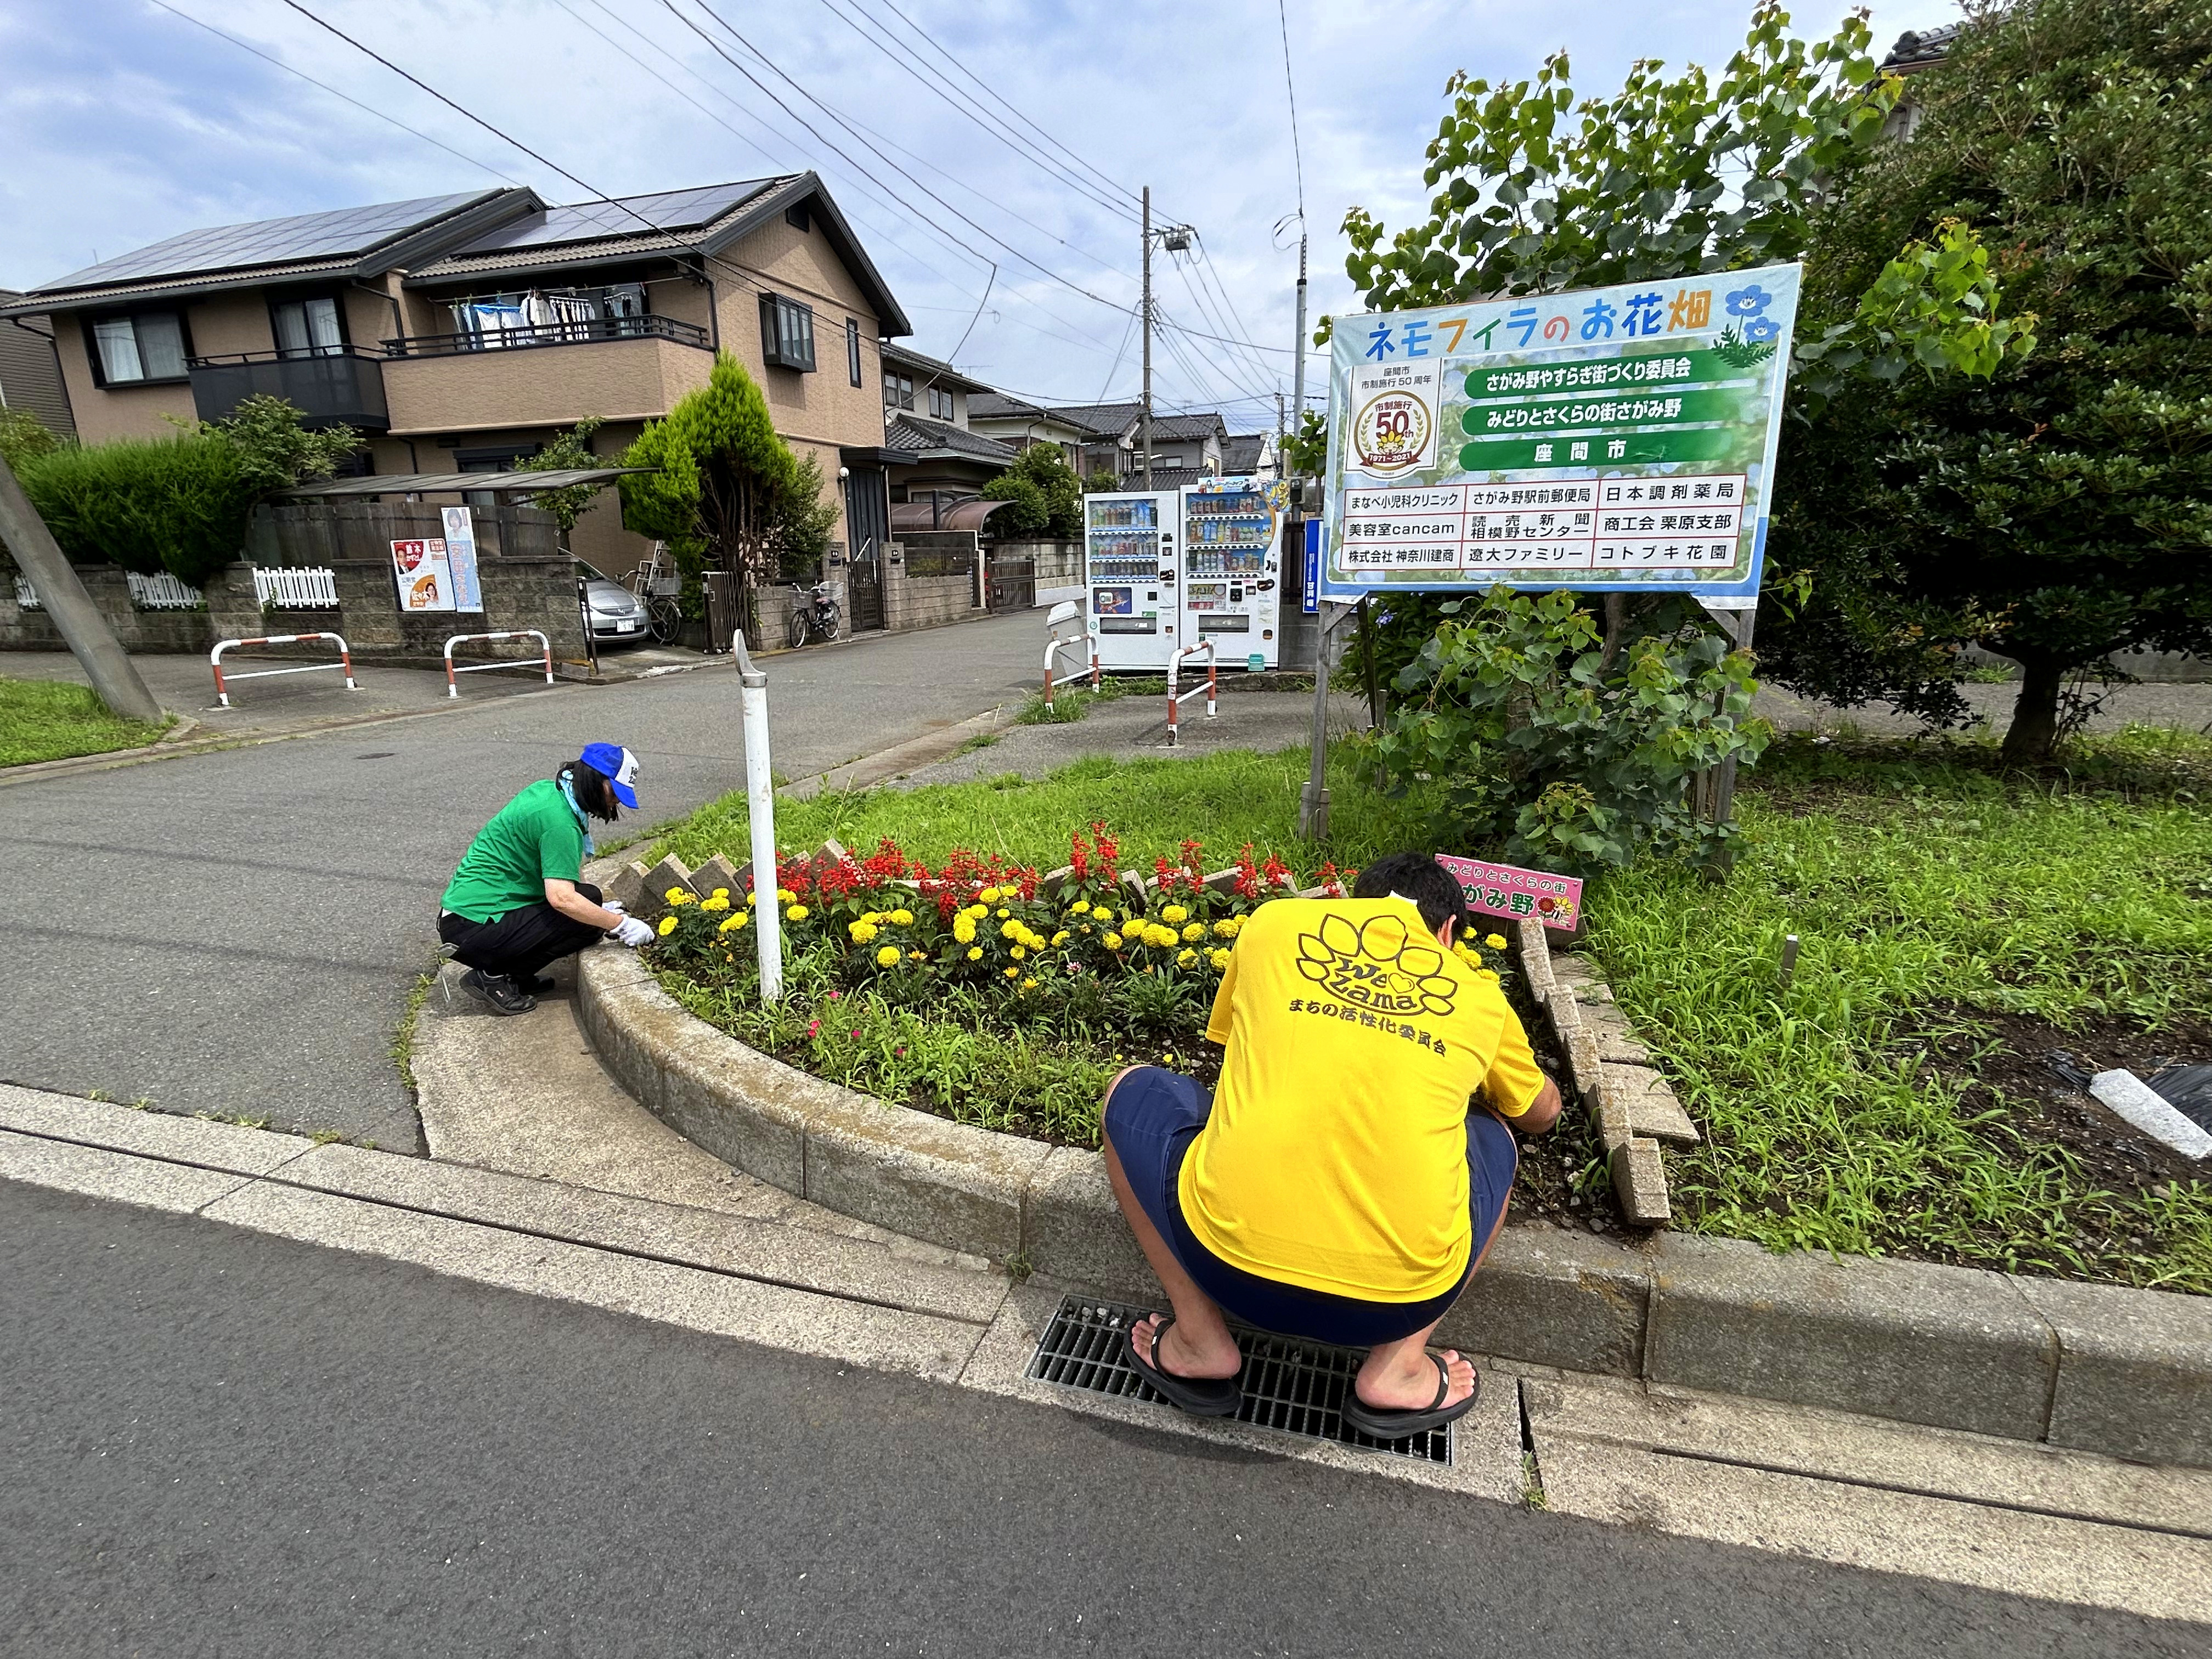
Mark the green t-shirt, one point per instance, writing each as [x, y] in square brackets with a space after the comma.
[535, 838]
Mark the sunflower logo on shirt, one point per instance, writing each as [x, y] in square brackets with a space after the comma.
[1382, 965]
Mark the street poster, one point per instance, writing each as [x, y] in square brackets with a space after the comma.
[426, 581]
[461, 558]
[1608, 438]
[1507, 890]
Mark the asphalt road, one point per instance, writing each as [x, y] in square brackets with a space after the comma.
[217, 1441]
[235, 932]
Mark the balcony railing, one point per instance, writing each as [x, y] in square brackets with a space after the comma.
[530, 335]
[330, 385]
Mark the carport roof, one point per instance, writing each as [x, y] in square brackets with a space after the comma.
[451, 484]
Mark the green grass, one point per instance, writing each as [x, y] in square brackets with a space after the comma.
[1930, 894]
[1224, 798]
[1073, 700]
[49, 719]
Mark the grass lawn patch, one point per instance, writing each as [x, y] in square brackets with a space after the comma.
[53, 720]
[1956, 925]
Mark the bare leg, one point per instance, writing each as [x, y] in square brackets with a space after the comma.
[1199, 1344]
[1401, 1377]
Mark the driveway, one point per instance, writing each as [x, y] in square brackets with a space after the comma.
[235, 932]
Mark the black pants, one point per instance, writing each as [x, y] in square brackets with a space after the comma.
[520, 942]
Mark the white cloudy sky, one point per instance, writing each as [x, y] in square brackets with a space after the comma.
[122, 122]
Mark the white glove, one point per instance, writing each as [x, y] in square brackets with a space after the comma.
[633, 932]
[615, 905]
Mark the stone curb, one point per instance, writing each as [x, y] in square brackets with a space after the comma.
[2094, 1368]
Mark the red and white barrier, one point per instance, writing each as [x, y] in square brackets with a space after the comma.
[544, 645]
[343, 665]
[1175, 701]
[1066, 612]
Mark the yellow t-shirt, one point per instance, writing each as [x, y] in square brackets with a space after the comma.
[1335, 1159]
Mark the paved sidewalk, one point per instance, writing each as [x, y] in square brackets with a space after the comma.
[1671, 1512]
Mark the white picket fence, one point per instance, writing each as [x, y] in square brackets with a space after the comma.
[27, 596]
[163, 592]
[297, 587]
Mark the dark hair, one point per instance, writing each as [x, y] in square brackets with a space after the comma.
[595, 792]
[1420, 877]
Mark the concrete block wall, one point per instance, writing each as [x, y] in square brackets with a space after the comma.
[150, 631]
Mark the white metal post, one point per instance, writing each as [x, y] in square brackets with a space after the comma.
[760, 812]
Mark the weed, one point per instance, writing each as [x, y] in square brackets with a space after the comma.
[981, 740]
[101, 1096]
[403, 1039]
[1532, 1483]
[144, 1104]
[324, 1137]
[1019, 1268]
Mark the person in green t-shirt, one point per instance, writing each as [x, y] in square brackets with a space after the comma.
[518, 901]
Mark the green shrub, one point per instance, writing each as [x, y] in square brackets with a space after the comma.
[1576, 757]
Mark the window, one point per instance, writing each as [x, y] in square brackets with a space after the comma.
[127, 350]
[898, 390]
[786, 333]
[307, 328]
[853, 350]
[797, 218]
[940, 404]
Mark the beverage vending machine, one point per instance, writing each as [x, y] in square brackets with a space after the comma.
[1232, 587]
[1129, 574]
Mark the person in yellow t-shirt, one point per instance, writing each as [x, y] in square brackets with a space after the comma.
[1352, 1169]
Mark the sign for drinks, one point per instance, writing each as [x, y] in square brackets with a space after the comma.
[1612, 438]
[1506, 889]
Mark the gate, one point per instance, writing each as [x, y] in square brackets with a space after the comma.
[867, 523]
[1012, 583]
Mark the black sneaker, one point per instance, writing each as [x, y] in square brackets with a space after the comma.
[498, 993]
[532, 984]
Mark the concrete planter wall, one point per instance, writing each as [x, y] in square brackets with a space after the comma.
[109, 588]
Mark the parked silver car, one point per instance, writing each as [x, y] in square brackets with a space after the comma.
[616, 613]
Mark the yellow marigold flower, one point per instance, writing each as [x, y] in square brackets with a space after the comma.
[733, 924]
[1028, 984]
[888, 956]
[902, 918]
[964, 928]
[1003, 911]
[1009, 929]
[989, 895]
[1080, 907]
[918, 956]
[1195, 930]
[720, 893]
[1059, 939]
[1185, 959]
[1013, 972]
[862, 931]
[976, 953]
[1174, 913]
[1113, 941]
[1225, 928]
[667, 925]
[1160, 935]
[676, 895]
[785, 896]
[797, 912]
[1019, 952]
[1489, 974]
[1496, 941]
[1219, 957]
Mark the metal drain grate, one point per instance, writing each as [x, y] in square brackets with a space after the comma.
[1293, 1387]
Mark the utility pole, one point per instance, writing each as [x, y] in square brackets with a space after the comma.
[114, 676]
[1144, 419]
[1313, 799]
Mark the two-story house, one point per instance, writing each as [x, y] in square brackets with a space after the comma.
[459, 333]
[1107, 437]
[945, 464]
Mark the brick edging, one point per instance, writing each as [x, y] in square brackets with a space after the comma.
[2095, 1368]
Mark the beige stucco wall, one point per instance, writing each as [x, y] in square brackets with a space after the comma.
[102, 416]
[823, 408]
[540, 385]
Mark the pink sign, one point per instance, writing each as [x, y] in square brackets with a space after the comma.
[1505, 889]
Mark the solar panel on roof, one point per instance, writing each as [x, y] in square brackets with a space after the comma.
[330, 235]
[669, 210]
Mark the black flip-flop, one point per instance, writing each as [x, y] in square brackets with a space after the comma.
[1397, 1425]
[1201, 1396]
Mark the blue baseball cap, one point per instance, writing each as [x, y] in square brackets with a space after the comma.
[620, 766]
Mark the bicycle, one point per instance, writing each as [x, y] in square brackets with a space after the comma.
[659, 586]
[815, 617]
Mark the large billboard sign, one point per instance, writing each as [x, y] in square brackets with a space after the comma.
[1617, 437]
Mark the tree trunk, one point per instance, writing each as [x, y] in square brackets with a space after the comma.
[2034, 730]
[1616, 626]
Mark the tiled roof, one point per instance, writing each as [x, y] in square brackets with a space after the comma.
[1919, 49]
[924, 436]
[1100, 419]
[938, 372]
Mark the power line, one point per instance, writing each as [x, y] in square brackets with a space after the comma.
[369, 109]
[1298, 160]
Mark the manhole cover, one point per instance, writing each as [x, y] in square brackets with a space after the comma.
[1294, 1387]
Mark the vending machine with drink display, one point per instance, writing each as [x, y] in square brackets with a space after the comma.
[1130, 577]
[1232, 587]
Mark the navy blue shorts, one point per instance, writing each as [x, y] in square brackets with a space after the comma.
[1153, 1114]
